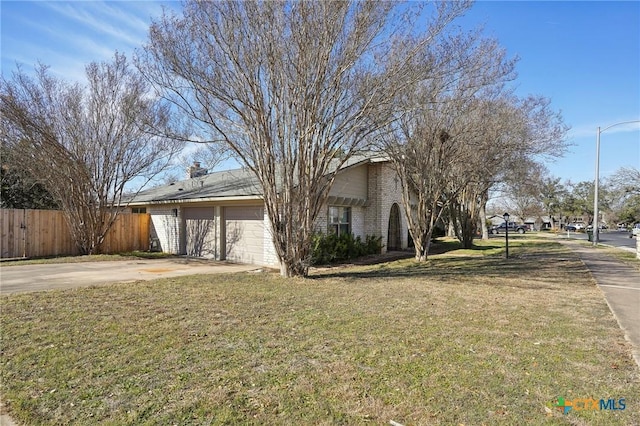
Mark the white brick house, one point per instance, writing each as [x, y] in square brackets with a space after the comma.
[221, 215]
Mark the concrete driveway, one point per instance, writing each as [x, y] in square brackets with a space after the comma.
[27, 278]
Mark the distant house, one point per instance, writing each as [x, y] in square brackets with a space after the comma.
[539, 223]
[533, 222]
[221, 215]
[497, 220]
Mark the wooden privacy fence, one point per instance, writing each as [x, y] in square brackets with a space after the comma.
[36, 233]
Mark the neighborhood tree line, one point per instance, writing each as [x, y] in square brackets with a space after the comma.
[285, 86]
[539, 195]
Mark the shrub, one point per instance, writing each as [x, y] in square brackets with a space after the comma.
[328, 248]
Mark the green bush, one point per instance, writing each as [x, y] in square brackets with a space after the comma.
[328, 248]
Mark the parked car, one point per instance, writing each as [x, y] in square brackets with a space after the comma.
[635, 232]
[513, 227]
[601, 227]
[570, 228]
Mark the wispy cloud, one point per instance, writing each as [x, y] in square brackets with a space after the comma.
[104, 19]
[587, 130]
[68, 35]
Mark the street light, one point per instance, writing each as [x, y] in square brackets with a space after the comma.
[596, 183]
[506, 234]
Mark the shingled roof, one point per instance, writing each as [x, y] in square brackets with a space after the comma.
[238, 183]
[228, 184]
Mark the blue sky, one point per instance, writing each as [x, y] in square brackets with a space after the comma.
[583, 55]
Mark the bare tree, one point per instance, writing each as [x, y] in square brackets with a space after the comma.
[624, 189]
[551, 194]
[490, 137]
[509, 137]
[87, 143]
[209, 155]
[626, 180]
[433, 146]
[424, 169]
[461, 132]
[524, 187]
[19, 189]
[287, 85]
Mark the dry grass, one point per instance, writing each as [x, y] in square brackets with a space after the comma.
[624, 256]
[464, 338]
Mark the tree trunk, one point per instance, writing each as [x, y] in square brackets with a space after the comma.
[483, 221]
[422, 245]
[451, 229]
[467, 228]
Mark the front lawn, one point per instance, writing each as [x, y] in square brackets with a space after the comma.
[464, 338]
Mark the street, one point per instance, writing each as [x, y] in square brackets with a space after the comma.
[617, 238]
[611, 237]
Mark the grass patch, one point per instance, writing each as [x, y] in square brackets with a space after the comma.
[454, 340]
[622, 255]
[625, 256]
[133, 255]
[453, 246]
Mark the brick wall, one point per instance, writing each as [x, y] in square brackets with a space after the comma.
[373, 212]
[358, 222]
[384, 190]
[320, 225]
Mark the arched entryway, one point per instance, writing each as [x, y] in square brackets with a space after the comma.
[394, 241]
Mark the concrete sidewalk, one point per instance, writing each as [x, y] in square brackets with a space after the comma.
[620, 284]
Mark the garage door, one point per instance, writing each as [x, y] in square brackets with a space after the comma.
[200, 228]
[244, 232]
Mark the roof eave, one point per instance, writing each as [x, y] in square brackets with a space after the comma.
[196, 200]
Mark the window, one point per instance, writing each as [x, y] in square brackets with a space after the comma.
[340, 220]
[138, 209]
